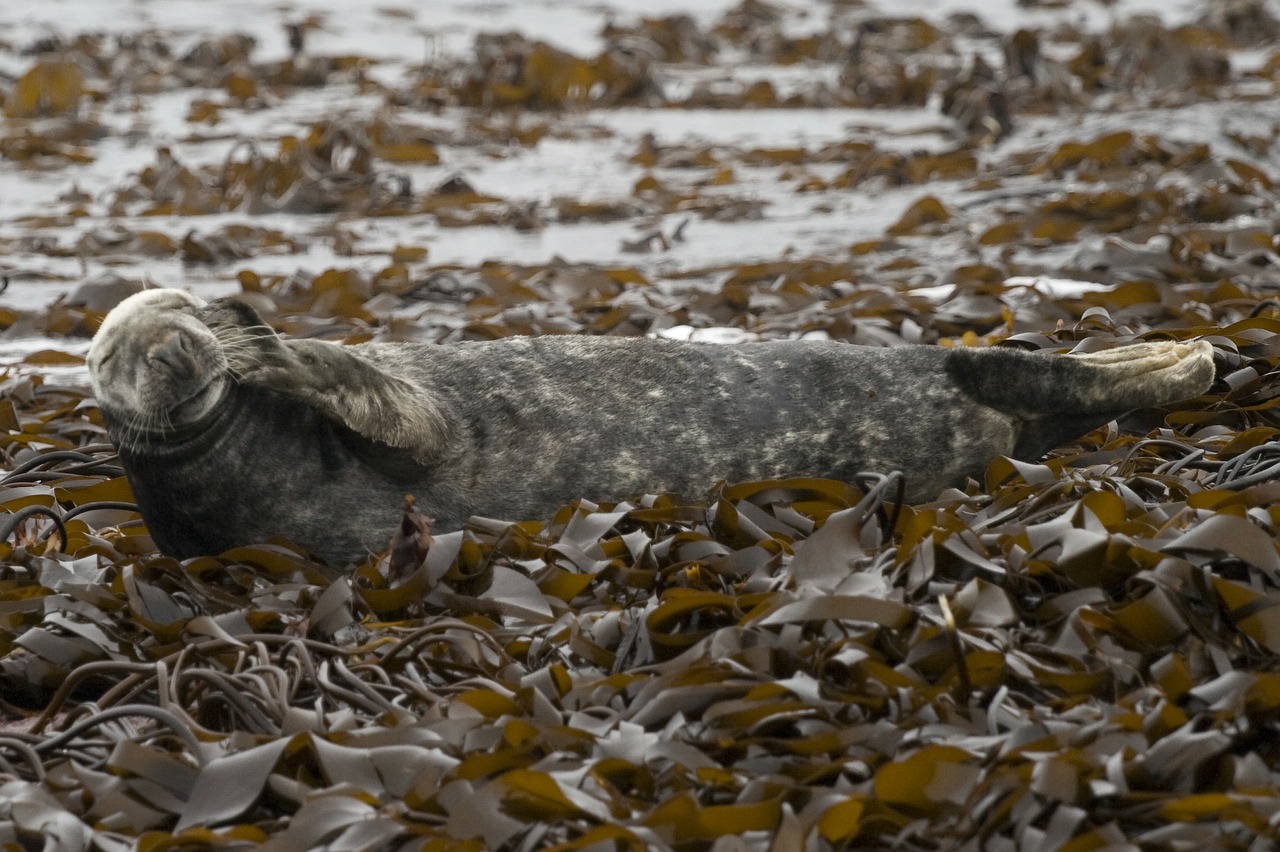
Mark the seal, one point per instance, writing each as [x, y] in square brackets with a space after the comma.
[231, 434]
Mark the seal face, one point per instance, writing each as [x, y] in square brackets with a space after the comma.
[154, 366]
[231, 434]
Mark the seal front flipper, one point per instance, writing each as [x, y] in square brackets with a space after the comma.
[336, 381]
[1057, 398]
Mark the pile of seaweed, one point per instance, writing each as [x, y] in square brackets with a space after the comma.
[1076, 653]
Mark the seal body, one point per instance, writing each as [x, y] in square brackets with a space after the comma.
[231, 434]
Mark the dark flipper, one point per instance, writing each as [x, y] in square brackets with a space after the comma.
[339, 383]
[1058, 398]
[1040, 435]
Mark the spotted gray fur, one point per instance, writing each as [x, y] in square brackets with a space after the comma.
[231, 434]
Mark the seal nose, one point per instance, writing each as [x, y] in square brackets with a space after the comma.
[172, 353]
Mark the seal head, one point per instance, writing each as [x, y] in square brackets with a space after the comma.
[156, 367]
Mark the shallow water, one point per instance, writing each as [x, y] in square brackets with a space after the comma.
[588, 156]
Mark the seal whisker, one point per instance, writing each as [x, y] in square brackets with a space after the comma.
[246, 332]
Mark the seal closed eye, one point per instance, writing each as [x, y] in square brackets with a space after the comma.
[231, 434]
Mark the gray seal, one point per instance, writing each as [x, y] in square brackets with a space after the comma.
[230, 434]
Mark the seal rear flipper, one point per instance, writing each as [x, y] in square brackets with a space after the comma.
[1093, 387]
[1060, 397]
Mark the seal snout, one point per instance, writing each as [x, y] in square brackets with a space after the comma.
[154, 364]
[173, 352]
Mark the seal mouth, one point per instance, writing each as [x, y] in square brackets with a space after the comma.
[164, 391]
[174, 426]
[191, 408]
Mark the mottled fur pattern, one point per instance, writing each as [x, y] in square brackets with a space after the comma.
[318, 442]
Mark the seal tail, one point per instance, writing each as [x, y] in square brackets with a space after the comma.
[1058, 398]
